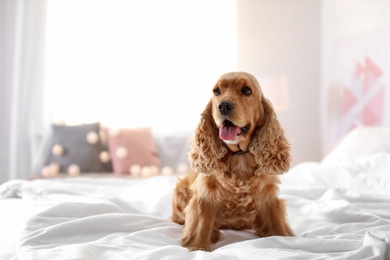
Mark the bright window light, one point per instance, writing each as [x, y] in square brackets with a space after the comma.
[134, 63]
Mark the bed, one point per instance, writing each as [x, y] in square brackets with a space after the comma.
[339, 208]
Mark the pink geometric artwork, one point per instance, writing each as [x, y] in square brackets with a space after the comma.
[372, 113]
[349, 100]
[363, 100]
[358, 85]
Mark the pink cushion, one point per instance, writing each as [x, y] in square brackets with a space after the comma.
[131, 147]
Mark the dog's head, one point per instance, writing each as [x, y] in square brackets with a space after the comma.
[238, 117]
[236, 108]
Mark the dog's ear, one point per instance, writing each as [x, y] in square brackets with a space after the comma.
[206, 146]
[270, 146]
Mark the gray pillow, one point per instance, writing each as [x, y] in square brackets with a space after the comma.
[79, 145]
[173, 149]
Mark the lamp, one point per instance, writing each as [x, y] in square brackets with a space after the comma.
[276, 90]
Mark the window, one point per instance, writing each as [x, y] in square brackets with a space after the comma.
[136, 63]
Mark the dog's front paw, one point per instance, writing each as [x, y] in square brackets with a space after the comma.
[263, 232]
[194, 245]
[215, 235]
[195, 248]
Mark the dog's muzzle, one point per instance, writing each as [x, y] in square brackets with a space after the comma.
[225, 107]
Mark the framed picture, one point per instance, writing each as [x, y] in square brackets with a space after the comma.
[359, 92]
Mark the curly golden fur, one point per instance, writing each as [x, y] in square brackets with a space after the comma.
[237, 152]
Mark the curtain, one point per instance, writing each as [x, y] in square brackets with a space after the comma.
[22, 27]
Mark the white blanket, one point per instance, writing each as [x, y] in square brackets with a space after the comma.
[336, 212]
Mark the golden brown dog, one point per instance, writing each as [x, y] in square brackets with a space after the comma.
[237, 152]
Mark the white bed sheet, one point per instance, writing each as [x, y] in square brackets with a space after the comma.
[12, 216]
[336, 212]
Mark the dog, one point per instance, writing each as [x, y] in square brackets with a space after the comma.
[237, 152]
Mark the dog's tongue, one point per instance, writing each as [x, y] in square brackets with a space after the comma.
[228, 133]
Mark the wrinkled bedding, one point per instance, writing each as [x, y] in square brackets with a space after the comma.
[336, 211]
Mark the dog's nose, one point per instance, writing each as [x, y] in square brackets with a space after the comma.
[225, 106]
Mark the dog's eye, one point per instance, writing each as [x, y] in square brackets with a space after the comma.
[217, 92]
[246, 90]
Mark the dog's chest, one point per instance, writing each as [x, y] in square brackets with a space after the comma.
[239, 196]
[240, 187]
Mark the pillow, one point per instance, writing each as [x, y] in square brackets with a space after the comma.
[173, 149]
[360, 142]
[76, 149]
[131, 147]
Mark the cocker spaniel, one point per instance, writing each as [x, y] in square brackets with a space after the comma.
[237, 151]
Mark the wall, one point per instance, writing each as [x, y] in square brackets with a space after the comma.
[281, 38]
[342, 19]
